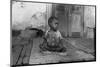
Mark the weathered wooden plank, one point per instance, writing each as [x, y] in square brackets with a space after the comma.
[15, 54]
[25, 54]
[21, 55]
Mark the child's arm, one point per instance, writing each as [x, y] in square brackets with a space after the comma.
[63, 34]
[63, 37]
[45, 36]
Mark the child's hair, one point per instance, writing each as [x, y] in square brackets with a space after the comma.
[51, 19]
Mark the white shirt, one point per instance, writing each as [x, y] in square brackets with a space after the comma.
[56, 34]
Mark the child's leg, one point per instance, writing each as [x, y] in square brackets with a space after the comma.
[62, 47]
[44, 47]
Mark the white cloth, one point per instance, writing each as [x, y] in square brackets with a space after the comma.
[57, 34]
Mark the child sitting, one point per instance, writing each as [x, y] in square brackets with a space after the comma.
[53, 38]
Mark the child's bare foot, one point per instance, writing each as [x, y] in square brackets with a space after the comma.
[63, 53]
[47, 52]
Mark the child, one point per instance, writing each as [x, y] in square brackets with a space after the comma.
[53, 38]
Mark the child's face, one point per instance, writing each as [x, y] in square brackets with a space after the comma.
[54, 25]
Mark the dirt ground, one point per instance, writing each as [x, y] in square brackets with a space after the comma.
[77, 50]
[28, 52]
